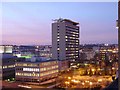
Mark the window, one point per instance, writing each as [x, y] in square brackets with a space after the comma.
[58, 48]
[31, 69]
[58, 40]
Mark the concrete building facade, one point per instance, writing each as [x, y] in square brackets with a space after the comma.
[36, 70]
[8, 66]
[65, 40]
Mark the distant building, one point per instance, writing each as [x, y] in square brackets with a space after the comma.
[29, 51]
[108, 53]
[25, 50]
[36, 70]
[7, 70]
[65, 40]
[6, 48]
[46, 52]
[8, 66]
[89, 53]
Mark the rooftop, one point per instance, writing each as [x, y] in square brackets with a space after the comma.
[36, 59]
[68, 20]
[7, 55]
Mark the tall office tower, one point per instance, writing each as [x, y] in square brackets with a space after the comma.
[65, 40]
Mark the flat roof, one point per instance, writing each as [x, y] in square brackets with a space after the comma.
[68, 20]
[37, 59]
[7, 55]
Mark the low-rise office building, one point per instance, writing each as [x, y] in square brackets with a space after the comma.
[36, 70]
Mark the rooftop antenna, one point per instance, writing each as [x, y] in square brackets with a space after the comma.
[58, 20]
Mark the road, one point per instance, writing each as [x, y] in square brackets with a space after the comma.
[6, 84]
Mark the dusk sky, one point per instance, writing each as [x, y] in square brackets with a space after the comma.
[30, 23]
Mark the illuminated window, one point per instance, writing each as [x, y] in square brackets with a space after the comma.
[4, 67]
[27, 74]
[31, 69]
[58, 40]
[24, 64]
[58, 48]
[11, 66]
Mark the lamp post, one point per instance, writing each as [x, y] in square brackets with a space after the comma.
[90, 85]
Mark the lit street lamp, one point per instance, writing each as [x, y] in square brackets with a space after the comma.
[90, 85]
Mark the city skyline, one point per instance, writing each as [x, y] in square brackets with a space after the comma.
[30, 23]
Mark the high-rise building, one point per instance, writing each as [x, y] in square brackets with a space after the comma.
[65, 40]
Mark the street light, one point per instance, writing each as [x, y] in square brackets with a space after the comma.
[75, 81]
[67, 83]
[69, 77]
[90, 84]
[99, 80]
[83, 83]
